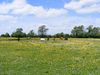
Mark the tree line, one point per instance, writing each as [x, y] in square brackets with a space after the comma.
[42, 33]
[82, 32]
[77, 32]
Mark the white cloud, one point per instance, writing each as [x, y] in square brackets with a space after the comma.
[84, 6]
[16, 14]
[39, 11]
[4, 8]
[21, 7]
[7, 18]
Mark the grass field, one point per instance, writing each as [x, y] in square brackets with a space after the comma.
[72, 57]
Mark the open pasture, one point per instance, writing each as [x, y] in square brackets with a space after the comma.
[72, 57]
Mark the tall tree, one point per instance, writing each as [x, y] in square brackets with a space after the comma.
[90, 31]
[42, 31]
[18, 33]
[96, 32]
[78, 31]
[31, 34]
[93, 31]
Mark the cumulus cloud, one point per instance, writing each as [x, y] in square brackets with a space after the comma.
[39, 11]
[21, 7]
[7, 18]
[4, 9]
[84, 6]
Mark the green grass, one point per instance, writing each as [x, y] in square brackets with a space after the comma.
[72, 57]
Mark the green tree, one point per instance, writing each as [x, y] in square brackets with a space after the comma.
[96, 32]
[59, 35]
[78, 31]
[18, 33]
[5, 35]
[42, 31]
[31, 34]
[93, 32]
[90, 31]
[66, 36]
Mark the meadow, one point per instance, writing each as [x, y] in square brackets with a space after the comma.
[61, 57]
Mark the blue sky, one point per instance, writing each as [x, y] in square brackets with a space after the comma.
[57, 15]
[47, 3]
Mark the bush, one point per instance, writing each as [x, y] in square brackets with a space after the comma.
[66, 38]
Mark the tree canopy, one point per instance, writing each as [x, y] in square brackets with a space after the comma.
[42, 31]
[31, 34]
[18, 33]
[77, 32]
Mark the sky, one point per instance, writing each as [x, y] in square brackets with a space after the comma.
[57, 15]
